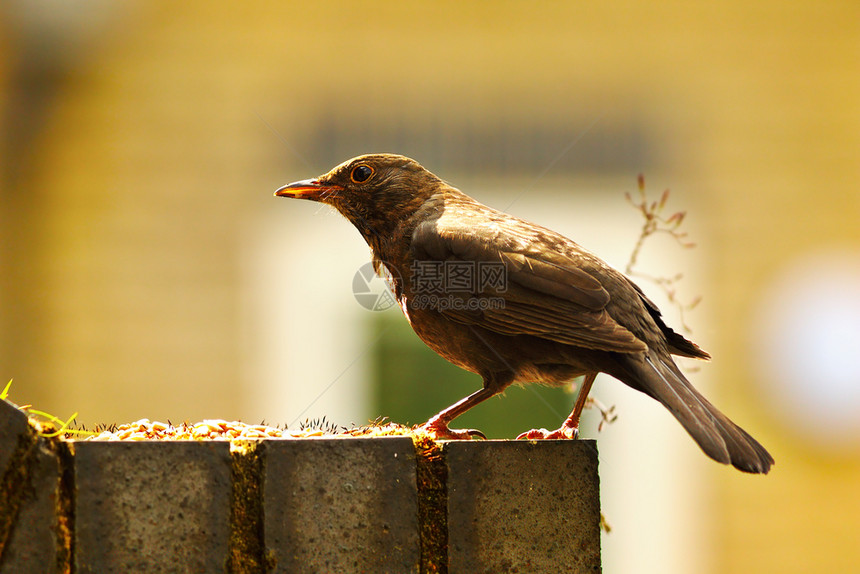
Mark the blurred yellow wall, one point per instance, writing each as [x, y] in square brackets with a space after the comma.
[127, 193]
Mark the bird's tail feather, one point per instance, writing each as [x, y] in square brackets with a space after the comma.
[719, 437]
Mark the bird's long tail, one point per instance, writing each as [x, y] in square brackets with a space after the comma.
[719, 437]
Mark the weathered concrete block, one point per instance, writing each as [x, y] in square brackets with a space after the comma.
[31, 539]
[152, 506]
[516, 506]
[296, 505]
[34, 544]
[341, 505]
[14, 429]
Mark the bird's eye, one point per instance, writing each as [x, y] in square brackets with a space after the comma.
[361, 173]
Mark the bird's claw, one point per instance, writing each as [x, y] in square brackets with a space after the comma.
[564, 433]
[442, 432]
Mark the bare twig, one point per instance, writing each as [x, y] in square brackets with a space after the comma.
[607, 415]
[655, 222]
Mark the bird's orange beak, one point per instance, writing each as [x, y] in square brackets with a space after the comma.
[305, 189]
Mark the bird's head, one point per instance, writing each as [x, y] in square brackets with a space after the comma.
[375, 192]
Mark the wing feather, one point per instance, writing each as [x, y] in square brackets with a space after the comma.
[546, 294]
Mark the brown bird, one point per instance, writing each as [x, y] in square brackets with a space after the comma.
[515, 302]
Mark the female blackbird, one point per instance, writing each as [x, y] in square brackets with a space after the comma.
[515, 302]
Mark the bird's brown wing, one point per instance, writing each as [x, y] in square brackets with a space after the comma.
[545, 292]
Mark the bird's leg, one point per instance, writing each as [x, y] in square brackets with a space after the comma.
[570, 427]
[438, 425]
[572, 422]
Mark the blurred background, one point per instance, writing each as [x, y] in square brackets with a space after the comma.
[147, 271]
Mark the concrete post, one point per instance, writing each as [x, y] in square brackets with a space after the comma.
[346, 504]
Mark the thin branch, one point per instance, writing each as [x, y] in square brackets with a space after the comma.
[656, 222]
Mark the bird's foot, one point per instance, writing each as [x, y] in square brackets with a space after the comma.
[564, 433]
[442, 432]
